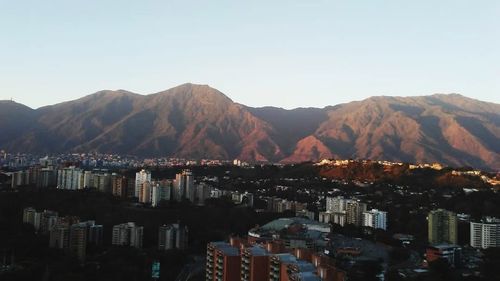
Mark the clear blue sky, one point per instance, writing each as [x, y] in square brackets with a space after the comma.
[284, 53]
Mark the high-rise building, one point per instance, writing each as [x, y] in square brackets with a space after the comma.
[485, 234]
[203, 193]
[375, 219]
[172, 236]
[140, 178]
[155, 194]
[48, 220]
[254, 264]
[78, 240]
[442, 227]
[119, 186]
[29, 215]
[166, 190]
[146, 192]
[102, 180]
[59, 237]
[278, 266]
[223, 262]
[69, 178]
[184, 186]
[47, 178]
[127, 234]
[95, 233]
[354, 212]
[337, 204]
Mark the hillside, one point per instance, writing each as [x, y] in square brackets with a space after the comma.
[197, 121]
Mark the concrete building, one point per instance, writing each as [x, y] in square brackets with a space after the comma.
[442, 227]
[184, 186]
[337, 204]
[278, 266]
[292, 233]
[145, 195]
[485, 234]
[354, 212]
[305, 214]
[140, 178]
[95, 233]
[48, 219]
[223, 262]
[172, 236]
[70, 178]
[254, 264]
[59, 237]
[119, 185]
[127, 234]
[375, 219]
[203, 192]
[451, 253]
[78, 240]
[47, 178]
[29, 215]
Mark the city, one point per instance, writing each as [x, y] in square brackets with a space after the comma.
[279, 222]
[297, 140]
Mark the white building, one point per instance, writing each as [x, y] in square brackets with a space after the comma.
[338, 204]
[70, 178]
[140, 178]
[375, 219]
[485, 234]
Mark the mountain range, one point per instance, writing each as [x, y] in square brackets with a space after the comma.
[197, 121]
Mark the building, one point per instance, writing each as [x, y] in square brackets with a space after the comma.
[78, 240]
[127, 234]
[203, 192]
[145, 195]
[254, 264]
[47, 178]
[29, 215]
[278, 266]
[184, 186]
[375, 219]
[119, 185]
[338, 204]
[101, 180]
[291, 233]
[223, 262]
[305, 214]
[354, 212]
[442, 227]
[485, 234]
[70, 178]
[140, 178]
[95, 232]
[451, 253]
[59, 237]
[172, 236]
[48, 219]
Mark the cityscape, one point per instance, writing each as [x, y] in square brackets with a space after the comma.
[297, 140]
[274, 221]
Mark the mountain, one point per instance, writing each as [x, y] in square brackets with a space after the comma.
[196, 121]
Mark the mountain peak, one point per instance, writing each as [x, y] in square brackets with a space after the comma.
[195, 91]
[196, 121]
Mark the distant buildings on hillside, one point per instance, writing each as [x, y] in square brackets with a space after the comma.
[342, 211]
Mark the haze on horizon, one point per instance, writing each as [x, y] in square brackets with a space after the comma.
[285, 53]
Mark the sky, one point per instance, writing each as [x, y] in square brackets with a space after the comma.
[286, 53]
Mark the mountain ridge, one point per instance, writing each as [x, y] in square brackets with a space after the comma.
[197, 121]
